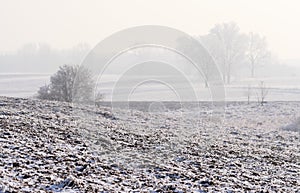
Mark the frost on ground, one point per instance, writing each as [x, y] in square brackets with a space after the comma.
[46, 147]
[295, 126]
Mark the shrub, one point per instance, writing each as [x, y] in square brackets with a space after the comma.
[69, 83]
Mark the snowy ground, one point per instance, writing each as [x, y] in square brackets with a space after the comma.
[57, 147]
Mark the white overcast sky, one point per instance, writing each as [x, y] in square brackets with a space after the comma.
[65, 23]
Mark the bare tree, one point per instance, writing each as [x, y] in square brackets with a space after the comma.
[228, 46]
[205, 67]
[257, 51]
[208, 43]
[261, 92]
[248, 94]
[67, 83]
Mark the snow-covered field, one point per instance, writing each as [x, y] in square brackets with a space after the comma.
[279, 88]
[59, 147]
[154, 146]
[22, 85]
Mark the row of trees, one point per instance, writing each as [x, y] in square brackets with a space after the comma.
[230, 47]
[41, 58]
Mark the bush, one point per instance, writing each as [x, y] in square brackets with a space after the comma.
[69, 83]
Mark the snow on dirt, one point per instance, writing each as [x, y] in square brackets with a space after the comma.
[49, 147]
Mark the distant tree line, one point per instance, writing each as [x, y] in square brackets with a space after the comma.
[41, 58]
[229, 47]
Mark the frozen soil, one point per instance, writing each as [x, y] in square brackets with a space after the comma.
[60, 147]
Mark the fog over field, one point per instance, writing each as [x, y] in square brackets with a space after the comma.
[27, 63]
[282, 80]
[35, 41]
[149, 96]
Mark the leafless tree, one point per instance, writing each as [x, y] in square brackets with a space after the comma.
[248, 94]
[205, 67]
[67, 83]
[228, 46]
[261, 92]
[257, 51]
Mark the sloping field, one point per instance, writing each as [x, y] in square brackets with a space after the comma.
[59, 147]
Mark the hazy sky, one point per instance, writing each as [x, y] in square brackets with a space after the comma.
[64, 23]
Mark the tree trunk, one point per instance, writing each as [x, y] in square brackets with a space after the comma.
[252, 70]
[224, 75]
[228, 74]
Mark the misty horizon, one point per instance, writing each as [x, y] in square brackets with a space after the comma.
[62, 24]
